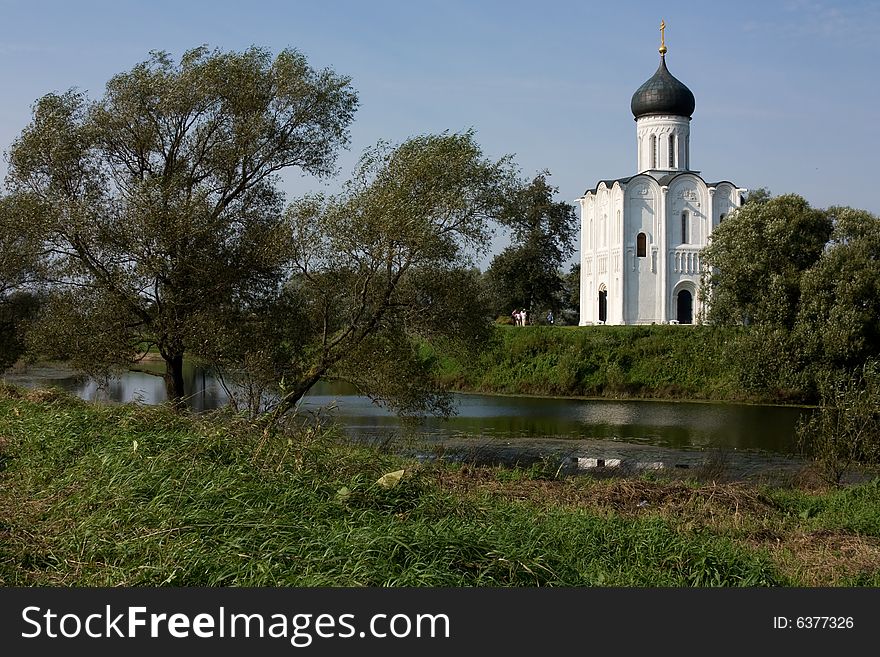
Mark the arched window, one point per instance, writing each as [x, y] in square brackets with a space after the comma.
[671, 151]
[721, 218]
[653, 151]
[684, 227]
[641, 245]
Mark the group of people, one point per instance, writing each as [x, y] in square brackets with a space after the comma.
[521, 317]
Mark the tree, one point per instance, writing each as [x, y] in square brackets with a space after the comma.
[377, 272]
[526, 273]
[839, 319]
[754, 266]
[756, 257]
[759, 195]
[19, 298]
[158, 207]
[571, 299]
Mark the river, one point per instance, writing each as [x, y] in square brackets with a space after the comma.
[511, 428]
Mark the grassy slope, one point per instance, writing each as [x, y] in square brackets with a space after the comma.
[604, 361]
[137, 496]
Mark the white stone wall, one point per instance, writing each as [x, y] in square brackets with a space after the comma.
[688, 195]
[726, 199]
[644, 290]
[642, 275]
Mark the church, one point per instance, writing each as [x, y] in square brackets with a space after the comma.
[641, 236]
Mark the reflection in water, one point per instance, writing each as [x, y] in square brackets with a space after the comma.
[495, 418]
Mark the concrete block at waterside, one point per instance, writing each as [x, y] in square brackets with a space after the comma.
[583, 463]
[650, 465]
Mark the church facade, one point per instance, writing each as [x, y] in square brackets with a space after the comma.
[641, 236]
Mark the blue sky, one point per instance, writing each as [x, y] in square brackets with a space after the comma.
[787, 92]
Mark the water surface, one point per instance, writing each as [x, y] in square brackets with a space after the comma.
[647, 431]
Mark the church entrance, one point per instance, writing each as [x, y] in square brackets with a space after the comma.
[603, 305]
[685, 314]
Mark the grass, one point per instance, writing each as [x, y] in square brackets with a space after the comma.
[138, 496]
[677, 362]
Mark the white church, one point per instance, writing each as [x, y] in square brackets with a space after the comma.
[641, 236]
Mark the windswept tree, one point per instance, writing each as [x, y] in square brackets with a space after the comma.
[527, 273]
[377, 272]
[158, 207]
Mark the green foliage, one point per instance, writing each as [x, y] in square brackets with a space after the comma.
[377, 271]
[643, 361]
[156, 208]
[757, 196]
[807, 280]
[839, 319]
[768, 362]
[526, 273]
[756, 258]
[19, 299]
[17, 310]
[571, 296]
[845, 431]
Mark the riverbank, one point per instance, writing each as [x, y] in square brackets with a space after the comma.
[138, 496]
[618, 362]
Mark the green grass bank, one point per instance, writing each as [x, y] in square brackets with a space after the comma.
[138, 496]
[661, 362]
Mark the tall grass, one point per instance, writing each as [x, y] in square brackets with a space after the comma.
[694, 362]
[138, 496]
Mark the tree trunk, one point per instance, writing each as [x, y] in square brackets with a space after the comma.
[288, 401]
[174, 379]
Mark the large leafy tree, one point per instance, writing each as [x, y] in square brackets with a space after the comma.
[377, 272]
[526, 274]
[756, 258]
[754, 267]
[157, 206]
[839, 319]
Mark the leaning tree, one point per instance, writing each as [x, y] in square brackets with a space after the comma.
[378, 272]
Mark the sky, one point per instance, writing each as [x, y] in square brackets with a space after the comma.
[787, 93]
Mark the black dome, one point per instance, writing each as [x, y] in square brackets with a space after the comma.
[663, 94]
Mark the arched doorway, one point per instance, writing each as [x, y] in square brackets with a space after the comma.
[603, 304]
[685, 309]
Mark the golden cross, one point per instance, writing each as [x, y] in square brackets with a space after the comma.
[662, 37]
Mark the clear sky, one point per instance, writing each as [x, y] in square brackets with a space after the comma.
[787, 92]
